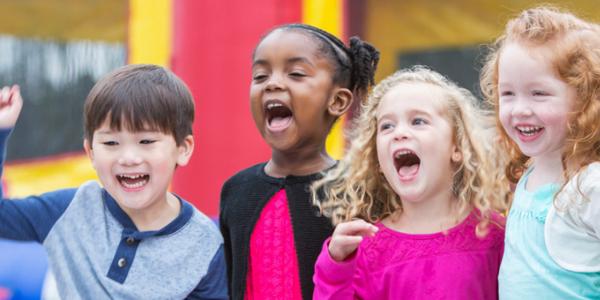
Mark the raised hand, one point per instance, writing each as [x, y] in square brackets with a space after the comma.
[347, 236]
[10, 106]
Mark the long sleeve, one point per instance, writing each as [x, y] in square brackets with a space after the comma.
[30, 218]
[214, 285]
[334, 280]
[226, 243]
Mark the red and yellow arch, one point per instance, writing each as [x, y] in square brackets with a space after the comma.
[208, 44]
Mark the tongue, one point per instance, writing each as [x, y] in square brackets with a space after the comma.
[279, 121]
[408, 170]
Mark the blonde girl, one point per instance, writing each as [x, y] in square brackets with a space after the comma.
[415, 200]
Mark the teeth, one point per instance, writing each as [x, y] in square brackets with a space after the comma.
[273, 105]
[133, 181]
[134, 185]
[132, 176]
[529, 130]
[403, 152]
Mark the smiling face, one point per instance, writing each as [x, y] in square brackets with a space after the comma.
[291, 91]
[136, 168]
[415, 142]
[534, 102]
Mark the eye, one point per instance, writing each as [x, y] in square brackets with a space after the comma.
[147, 142]
[385, 126]
[297, 74]
[419, 121]
[259, 77]
[507, 93]
[110, 143]
[539, 93]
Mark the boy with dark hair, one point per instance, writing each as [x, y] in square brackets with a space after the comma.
[129, 238]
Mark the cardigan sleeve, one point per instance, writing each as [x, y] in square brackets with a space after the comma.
[226, 238]
[572, 228]
[590, 215]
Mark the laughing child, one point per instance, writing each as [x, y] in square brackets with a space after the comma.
[303, 79]
[128, 238]
[415, 200]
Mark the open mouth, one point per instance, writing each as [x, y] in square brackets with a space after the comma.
[529, 130]
[278, 115]
[133, 181]
[407, 164]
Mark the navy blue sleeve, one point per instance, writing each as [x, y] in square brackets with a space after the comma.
[214, 283]
[30, 218]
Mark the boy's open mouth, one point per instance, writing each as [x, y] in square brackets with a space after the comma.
[278, 115]
[133, 181]
[407, 164]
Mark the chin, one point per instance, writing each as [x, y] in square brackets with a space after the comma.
[134, 206]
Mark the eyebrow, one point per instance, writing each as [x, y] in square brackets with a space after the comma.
[410, 112]
[291, 60]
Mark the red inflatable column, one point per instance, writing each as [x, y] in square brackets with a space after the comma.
[212, 49]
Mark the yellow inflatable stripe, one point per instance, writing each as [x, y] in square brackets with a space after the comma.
[32, 178]
[150, 32]
[328, 15]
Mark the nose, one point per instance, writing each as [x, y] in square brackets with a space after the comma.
[274, 83]
[521, 107]
[401, 132]
[129, 157]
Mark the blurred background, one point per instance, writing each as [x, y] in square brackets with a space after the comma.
[57, 49]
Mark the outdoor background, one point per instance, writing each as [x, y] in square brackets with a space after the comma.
[57, 49]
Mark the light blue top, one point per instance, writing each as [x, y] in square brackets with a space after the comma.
[527, 270]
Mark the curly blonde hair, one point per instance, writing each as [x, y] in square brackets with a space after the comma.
[573, 46]
[356, 188]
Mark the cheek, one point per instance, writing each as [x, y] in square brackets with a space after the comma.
[257, 113]
[380, 151]
[255, 101]
[554, 117]
[99, 160]
[504, 116]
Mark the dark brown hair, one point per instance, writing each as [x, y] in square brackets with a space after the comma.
[140, 97]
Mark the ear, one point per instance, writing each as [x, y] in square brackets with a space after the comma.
[185, 150]
[340, 101]
[456, 155]
[87, 146]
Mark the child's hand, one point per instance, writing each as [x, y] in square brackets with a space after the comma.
[10, 106]
[347, 236]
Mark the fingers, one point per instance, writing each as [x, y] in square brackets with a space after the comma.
[5, 95]
[347, 236]
[357, 227]
[15, 98]
[10, 106]
[10, 94]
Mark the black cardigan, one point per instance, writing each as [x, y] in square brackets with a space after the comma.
[242, 199]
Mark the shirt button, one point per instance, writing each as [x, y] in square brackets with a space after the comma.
[130, 241]
[121, 262]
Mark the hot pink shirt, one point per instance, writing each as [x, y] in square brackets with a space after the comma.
[273, 267]
[395, 265]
